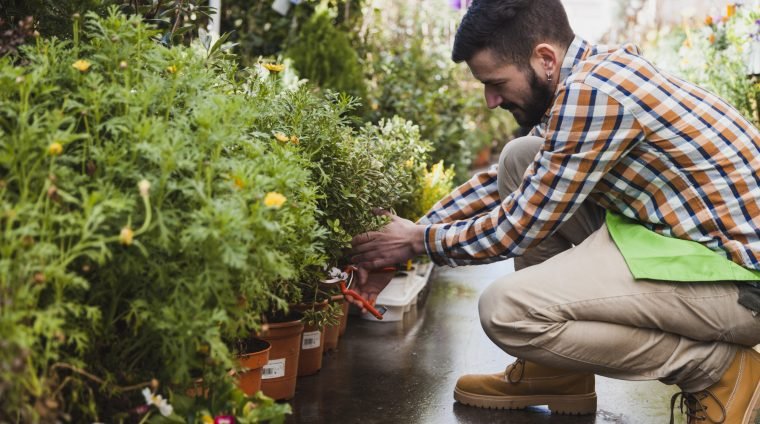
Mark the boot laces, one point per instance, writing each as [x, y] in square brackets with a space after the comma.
[695, 409]
[520, 363]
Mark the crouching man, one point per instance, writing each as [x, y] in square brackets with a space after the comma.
[633, 214]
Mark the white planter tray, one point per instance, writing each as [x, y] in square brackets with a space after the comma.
[399, 296]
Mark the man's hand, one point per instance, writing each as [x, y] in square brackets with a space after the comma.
[398, 241]
[395, 243]
[369, 285]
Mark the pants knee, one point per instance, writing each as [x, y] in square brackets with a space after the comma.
[498, 310]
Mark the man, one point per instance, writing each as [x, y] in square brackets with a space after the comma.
[633, 213]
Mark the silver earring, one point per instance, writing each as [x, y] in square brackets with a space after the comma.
[549, 76]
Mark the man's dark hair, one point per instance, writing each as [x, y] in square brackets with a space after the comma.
[511, 28]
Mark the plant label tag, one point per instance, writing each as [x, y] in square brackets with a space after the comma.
[311, 340]
[281, 6]
[273, 369]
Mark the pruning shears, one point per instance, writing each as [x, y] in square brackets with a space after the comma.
[344, 279]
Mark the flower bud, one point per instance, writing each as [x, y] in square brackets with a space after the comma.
[144, 186]
[126, 236]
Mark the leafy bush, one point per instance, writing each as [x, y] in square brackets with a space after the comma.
[260, 31]
[107, 286]
[324, 55]
[155, 203]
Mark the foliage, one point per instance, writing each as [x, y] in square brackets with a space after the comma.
[431, 186]
[52, 17]
[12, 37]
[412, 76]
[176, 18]
[107, 283]
[260, 31]
[715, 54]
[155, 203]
[323, 54]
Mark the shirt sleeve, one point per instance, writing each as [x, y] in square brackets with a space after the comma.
[587, 133]
[477, 196]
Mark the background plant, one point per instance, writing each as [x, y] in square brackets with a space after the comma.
[323, 54]
[407, 56]
[716, 54]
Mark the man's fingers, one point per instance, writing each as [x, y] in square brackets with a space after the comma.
[364, 238]
[381, 211]
[375, 264]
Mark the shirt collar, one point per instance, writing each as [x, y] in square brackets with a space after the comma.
[578, 50]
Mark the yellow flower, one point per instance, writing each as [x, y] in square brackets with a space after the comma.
[239, 183]
[274, 67]
[81, 65]
[172, 69]
[294, 140]
[274, 200]
[55, 149]
[282, 138]
[708, 20]
[207, 419]
[123, 64]
[730, 10]
[126, 236]
[712, 38]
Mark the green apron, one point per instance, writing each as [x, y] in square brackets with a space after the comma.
[652, 256]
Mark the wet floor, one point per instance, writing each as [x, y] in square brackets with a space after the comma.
[405, 372]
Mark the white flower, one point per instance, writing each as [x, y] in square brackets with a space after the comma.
[336, 275]
[152, 399]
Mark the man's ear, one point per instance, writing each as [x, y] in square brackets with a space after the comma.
[546, 59]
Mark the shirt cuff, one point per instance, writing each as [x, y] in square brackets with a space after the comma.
[434, 246]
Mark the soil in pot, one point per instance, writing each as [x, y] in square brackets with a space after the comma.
[254, 356]
[278, 376]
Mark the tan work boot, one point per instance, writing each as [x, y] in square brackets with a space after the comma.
[735, 399]
[529, 384]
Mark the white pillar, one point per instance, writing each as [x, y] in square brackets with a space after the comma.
[215, 20]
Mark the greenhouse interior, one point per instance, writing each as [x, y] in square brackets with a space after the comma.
[380, 211]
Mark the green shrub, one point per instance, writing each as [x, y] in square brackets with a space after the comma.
[260, 31]
[323, 54]
[155, 203]
[105, 286]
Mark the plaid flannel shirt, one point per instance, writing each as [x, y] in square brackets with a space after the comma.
[631, 138]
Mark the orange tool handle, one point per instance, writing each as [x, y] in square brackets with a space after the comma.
[365, 304]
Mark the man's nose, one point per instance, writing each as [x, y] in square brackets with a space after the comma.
[493, 100]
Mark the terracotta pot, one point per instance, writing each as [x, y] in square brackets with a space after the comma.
[344, 318]
[332, 332]
[278, 377]
[251, 362]
[312, 343]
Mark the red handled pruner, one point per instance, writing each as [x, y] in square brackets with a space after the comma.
[345, 278]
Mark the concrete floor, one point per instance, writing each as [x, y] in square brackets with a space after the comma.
[405, 372]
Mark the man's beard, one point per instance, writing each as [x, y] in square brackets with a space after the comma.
[534, 108]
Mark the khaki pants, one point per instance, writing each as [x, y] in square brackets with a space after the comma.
[578, 308]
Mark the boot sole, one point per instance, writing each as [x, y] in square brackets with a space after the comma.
[584, 404]
[752, 416]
